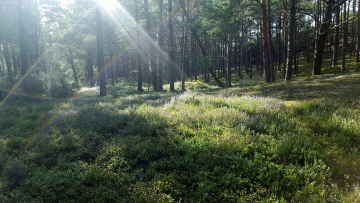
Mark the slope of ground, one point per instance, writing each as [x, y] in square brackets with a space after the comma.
[296, 141]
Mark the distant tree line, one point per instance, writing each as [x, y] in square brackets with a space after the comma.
[52, 44]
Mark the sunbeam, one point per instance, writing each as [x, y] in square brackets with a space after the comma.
[110, 6]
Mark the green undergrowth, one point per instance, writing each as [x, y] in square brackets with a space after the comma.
[237, 144]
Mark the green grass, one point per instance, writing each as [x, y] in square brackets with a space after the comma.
[296, 141]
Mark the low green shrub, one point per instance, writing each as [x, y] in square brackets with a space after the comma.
[58, 87]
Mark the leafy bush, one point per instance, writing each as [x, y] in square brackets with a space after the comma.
[37, 84]
[15, 142]
[198, 85]
[16, 174]
[58, 87]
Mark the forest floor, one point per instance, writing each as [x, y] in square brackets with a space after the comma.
[288, 141]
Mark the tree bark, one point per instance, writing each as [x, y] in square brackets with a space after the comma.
[90, 68]
[272, 69]
[353, 29]
[345, 44]
[7, 60]
[151, 46]
[229, 59]
[70, 58]
[14, 63]
[358, 35]
[171, 48]
[183, 54]
[100, 51]
[23, 48]
[265, 41]
[261, 48]
[161, 45]
[278, 39]
[285, 49]
[332, 6]
[336, 40]
[138, 55]
[291, 40]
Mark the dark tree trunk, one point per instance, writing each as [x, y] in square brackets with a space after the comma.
[23, 48]
[100, 51]
[291, 52]
[296, 47]
[161, 45]
[171, 48]
[261, 50]
[14, 63]
[285, 41]
[358, 35]
[183, 56]
[308, 47]
[332, 5]
[250, 64]
[353, 29]
[112, 76]
[272, 70]
[345, 43]
[70, 58]
[138, 55]
[7, 60]
[336, 40]
[265, 42]
[278, 39]
[241, 57]
[151, 46]
[229, 59]
[90, 68]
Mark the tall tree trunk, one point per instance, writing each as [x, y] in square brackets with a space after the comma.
[332, 5]
[265, 42]
[345, 43]
[272, 70]
[308, 47]
[100, 51]
[286, 37]
[161, 44]
[261, 48]
[183, 55]
[7, 59]
[250, 63]
[171, 48]
[336, 40]
[113, 62]
[70, 58]
[151, 46]
[14, 63]
[296, 47]
[353, 29]
[138, 55]
[278, 41]
[90, 68]
[203, 51]
[229, 59]
[23, 48]
[358, 35]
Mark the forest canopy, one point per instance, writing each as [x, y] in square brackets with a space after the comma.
[54, 47]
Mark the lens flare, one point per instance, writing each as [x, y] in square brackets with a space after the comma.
[110, 6]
